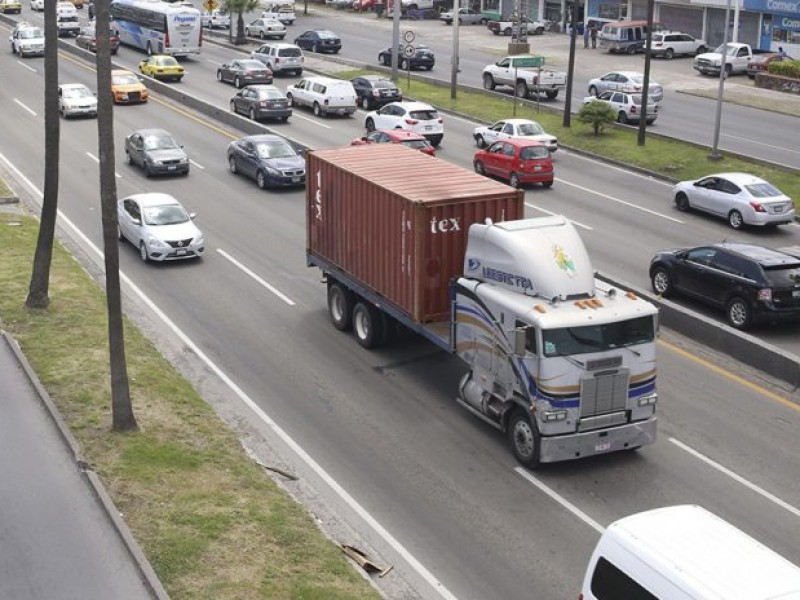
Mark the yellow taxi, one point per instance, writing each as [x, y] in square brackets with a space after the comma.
[10, 6]
[126, 87]
[162, 67]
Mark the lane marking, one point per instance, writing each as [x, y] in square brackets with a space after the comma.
[608, 166]
[19, 62]
[199, 166]
[310, 120]
[561, 500]
[24, 107]
[258, 279]
[731, 376]
[781, 148]
[619, 201]
[194, 118]
[738, 478]
[395, 544]
[97, 160]
[552, 214]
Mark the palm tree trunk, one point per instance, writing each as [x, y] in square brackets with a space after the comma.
[121, 407]
[38, 291]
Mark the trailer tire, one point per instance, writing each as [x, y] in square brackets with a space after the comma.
[367, 325]
[524, 439]
[340, 306]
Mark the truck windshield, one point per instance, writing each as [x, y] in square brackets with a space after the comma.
[731, 51]
[597, 338]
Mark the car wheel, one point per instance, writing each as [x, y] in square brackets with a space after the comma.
[233, 106]
[552, 95]
[219, 75]
[622, 117]
[738, 313]
[479, 168]
[682, 202]
[317, 110]
[119, 234]
[661, 281]
[143, 252]
[513, 180]
[289, 100]
[128, 158]
[522, 89]
[484, 22]
[365, 103]
[253, 114]
[480, 141]
[340, 306]
[669, 53]
[524, 439]
[701, 50]
[370, 125]
[488, 82]
[237, 83]
[315, 49]
[232, 165]
[547, 184]
[631, 49]
[298, 72]
[367, 325]
[507, 31]
[735, 219]
[262, 35]
[261, 180]
[404, 65]
[593, 91]
[149, 49]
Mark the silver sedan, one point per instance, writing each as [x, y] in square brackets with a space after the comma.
[630, 82]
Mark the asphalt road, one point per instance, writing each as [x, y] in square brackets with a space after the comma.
[466, 521]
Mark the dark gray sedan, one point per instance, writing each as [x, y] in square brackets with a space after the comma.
[156, 151]
[261, 102]
[242, 72]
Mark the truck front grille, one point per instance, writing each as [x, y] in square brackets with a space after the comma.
[604, 392]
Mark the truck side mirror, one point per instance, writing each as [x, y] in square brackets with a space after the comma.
[520, 341]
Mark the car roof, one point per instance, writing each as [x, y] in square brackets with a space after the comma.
[376, 78]
[153, 199]
[516, 121]
[264, 138]
[66, 86]
[402, 134]
[766, 257]
[263, 87]
[739, 178]
[414, 105]
[522, 142]
[151, 131]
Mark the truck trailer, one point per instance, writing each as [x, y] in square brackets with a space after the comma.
[561, 362]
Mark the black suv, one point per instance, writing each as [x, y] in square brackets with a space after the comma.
[375, 91]
[750, 283]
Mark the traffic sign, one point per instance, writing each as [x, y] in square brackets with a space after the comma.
[527, 62]
[409, 51]
[210, 5]
[409, 36]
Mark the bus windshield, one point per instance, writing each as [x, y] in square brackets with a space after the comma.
[598, 338]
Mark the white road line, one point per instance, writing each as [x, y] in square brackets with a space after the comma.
[608, 166]
[548, 212]
[258, 279]
[288, 440]
[736, 477]
[735, 137]
[25, 107]
[618, 201]
[213, 62]
[314, 121]
[199, 166]
[97, 160]
[19, 62]
[561, 500]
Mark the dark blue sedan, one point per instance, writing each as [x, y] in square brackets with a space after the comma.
[423, 58]
[319, 40]
[269, 159]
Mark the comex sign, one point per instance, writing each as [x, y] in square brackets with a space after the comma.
[786, 7]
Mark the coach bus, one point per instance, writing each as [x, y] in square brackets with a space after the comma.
[158, 27]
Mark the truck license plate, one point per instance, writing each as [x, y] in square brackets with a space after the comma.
[602, 447]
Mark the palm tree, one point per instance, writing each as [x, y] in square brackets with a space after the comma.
[239, 7]
[38, 290]
[121, 407]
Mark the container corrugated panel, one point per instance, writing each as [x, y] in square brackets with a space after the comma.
[397, 220]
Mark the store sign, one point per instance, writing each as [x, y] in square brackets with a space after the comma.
[784, 7]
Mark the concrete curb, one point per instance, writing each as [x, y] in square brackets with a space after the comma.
[148, 575]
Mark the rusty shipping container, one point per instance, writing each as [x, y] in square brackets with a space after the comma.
[396, 220]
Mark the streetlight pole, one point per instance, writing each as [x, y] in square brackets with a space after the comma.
[647, 57]
[454, 58]
[396, 7]
[571, 67]
[715, 155]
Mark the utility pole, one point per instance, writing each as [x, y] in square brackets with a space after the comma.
[647, 57]
[715, 154]
[454, 58]
[571, 67]
[396, 7]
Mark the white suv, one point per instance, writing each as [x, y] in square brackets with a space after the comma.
[411, 116]
[280, 57]
[27, 40]
[325, 95]
[672, 43]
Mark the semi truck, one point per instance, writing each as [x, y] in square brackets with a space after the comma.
[561, 362]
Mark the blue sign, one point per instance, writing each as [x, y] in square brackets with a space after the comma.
[781, 7]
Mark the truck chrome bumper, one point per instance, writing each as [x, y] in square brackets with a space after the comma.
[580, 445]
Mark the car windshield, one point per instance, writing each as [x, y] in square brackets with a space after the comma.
[416, 144]
[125, 79]
[763, 190]
[275, 150]
[598, 338]
[731, 49]
[290, 52]
[167, 61]
[529, 129]
[533, 153]
[33, 32]
[383, 83]
[76, 92]
[424, 115]
[252, 65]
[160, 142]
[326, 34]
[168, 214]
[270, 95]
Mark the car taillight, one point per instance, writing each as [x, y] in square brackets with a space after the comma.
[765, 294]
[411, 121]
[439, 121]
[757, 207]
[166, 40]
[326, 101]
[657, 44]
[633, 109]
[637, 88]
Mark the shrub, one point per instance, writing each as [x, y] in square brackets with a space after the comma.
[597, 114]
[787, 68]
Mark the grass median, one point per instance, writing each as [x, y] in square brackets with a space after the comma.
[668, 157]
[211, 522]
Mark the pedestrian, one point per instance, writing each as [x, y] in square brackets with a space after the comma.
[586, 35]
[782, 53]
[594, 35]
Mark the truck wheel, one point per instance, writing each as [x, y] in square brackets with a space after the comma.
[522, 89]
[738, 313]
[367, 325]
[552, 95]
[488, 82]
[524, 439]
[340, 306]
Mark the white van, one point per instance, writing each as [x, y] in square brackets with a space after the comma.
[625, 36]
[324, 95]
[685, 553]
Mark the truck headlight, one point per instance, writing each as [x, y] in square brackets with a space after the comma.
[648, 400]
[554, 415]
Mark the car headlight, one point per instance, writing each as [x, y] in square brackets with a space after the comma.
[199, 241]
[156, 162]
[184, 160]
[154, 242]
[273, 171]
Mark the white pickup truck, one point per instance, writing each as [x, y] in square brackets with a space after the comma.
[507, 27]
[522, 73]
[736, 58]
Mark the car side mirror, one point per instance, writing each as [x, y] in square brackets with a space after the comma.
[192, 216]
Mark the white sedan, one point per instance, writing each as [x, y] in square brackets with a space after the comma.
[159, 227]
[514, 129]
[411, 116]
[265, 28]
[739, 198]
[75, 99]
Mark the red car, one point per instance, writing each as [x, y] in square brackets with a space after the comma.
[396, 136]
[518, 161]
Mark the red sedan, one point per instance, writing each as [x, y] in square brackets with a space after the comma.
[517, 161]
[396, 136]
